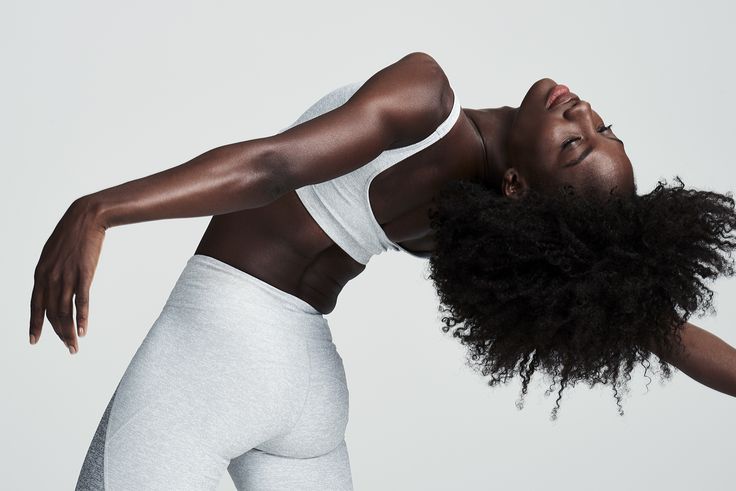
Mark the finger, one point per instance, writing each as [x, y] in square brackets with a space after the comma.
[37, 311]
[65, 312]
[55, 308]
[51, 303]
[81, 303]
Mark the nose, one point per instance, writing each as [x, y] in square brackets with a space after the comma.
[579, 109]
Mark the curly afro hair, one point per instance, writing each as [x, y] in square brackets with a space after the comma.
[579, 287]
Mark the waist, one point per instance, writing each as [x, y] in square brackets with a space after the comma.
[208, 284]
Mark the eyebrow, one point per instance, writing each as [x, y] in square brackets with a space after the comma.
[585, 153]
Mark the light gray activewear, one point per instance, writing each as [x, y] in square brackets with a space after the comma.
[340, 206]
[234, 375]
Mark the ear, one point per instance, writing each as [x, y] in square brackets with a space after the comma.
[513, 184]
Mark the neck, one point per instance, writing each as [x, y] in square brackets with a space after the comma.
[493, 125]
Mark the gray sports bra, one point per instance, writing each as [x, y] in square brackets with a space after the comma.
[340, 206]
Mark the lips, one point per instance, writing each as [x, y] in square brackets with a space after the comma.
[559, 95]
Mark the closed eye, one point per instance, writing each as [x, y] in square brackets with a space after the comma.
[601, 129]
[589, 148]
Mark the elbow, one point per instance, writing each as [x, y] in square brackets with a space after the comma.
[256, 171]
[273, 169]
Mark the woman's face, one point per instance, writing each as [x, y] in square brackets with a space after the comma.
[537, 148]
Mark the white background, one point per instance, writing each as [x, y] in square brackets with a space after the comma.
[99, 93]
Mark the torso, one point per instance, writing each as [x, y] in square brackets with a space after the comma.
[282, 244]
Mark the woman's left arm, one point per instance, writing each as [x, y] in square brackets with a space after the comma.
[705, 358]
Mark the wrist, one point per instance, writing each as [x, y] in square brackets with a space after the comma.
[93, 209]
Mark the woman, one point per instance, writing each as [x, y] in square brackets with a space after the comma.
[539, 247]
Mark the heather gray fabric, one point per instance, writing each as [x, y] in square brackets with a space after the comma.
[341, 206]
[238, 375]
[234, 375]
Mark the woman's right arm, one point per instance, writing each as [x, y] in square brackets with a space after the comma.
[403, 101]
[221, 180]
[225, 179]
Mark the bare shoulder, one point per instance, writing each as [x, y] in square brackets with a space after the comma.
[414, 93]
[401, 103]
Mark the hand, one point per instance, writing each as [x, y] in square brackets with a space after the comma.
[66, 266]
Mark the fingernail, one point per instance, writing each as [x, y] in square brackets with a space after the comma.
[33, 339]
[71, 349]
[81, 331]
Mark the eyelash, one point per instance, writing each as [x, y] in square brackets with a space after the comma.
[600, 130]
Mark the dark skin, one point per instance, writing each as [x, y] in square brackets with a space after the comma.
[260, 226]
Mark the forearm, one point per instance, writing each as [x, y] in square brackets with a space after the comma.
[706, 358]
[222, 180]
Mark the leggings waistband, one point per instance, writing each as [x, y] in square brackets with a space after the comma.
[207, 283]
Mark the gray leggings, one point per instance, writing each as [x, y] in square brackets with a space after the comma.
[234, 375]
